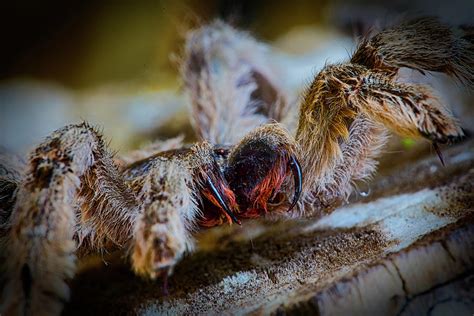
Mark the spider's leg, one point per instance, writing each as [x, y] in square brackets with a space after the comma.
[231, 82]
[173, 191]
[11, 168]
[337, 142]
[333, 152]
[407, 109]
[162, 232]
[357, 162]
[70, 171]
[423, 44]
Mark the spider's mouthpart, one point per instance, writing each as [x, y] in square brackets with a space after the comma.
[439, 153]
[298, 178]
[220, 201]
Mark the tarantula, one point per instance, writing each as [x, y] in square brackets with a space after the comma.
[259, 155]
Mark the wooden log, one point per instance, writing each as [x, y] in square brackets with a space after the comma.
[406, 248]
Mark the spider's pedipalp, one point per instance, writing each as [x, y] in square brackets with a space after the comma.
[71, 187]
[203, 162]
[358, 161]
[218, 200]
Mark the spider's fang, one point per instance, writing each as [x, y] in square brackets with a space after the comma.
[221, 201]
[298, 178]
[165, 290]
[439, 153]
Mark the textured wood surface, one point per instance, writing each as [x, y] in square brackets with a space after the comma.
[406, 246]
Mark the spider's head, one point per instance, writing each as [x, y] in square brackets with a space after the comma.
[259, 172]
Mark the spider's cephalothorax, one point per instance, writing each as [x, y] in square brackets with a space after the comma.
[73, 194]
[259, 167]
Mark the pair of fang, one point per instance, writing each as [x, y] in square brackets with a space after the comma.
[298, 179]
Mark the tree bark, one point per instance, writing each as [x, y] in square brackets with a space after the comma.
[406, 246]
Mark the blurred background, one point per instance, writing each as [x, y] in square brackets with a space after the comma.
[112, 63]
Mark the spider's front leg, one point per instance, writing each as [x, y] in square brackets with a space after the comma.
[179, 190]
[71, 191]
[423, 44]
[162, 232]
[232, 83]
[339, 133]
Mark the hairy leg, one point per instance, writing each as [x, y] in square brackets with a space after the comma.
[71, 163]
[11, 168]
[367, 86]
[407, 109]
[232, 85]
[424, 44]
[357, 162]
[179, 191]
[163, 230]
[341, 94]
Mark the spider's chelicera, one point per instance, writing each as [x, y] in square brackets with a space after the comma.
[260, 154]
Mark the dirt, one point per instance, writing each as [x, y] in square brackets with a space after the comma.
[460, 196]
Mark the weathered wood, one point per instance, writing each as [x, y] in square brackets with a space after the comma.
[406, 248]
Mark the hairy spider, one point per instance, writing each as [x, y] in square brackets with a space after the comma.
[256, 157]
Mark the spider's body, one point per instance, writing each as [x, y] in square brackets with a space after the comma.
[73, 193]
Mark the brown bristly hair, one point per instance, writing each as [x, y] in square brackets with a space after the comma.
[367, 85]
[423, 44]
[230, 83]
